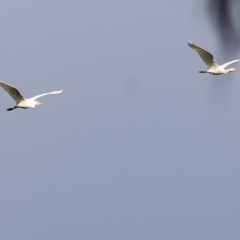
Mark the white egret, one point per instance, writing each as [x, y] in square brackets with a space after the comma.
[20, 100]
[208, 58]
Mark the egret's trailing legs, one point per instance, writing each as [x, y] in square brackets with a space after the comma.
[10, 109]
[201, 71]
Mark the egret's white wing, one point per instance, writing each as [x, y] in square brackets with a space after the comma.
[44, 94]
[206, 56]
[228, 63]
[13, 92]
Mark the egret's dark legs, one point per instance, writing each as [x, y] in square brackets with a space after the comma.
[201, 71]
[10, 109]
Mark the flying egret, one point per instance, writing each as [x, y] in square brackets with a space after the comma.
[20, 100]
[213, 67]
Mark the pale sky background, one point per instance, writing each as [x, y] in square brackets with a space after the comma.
[139, 146]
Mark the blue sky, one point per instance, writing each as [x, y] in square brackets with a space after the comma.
[138, 146]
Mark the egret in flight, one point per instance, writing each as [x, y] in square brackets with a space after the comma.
[213, 67]
[20, 100]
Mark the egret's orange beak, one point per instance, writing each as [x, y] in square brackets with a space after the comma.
[40, 103]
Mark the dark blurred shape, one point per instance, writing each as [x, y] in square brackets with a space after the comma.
[221, 14]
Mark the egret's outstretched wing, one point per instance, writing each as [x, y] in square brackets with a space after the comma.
[13, 92]
[206, 56]
[44, 94]
[228, 63]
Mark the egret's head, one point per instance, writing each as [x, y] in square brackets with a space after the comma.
[233, 69]
[39, 103]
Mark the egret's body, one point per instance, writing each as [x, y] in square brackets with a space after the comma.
[20, 100]
[208, 58]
